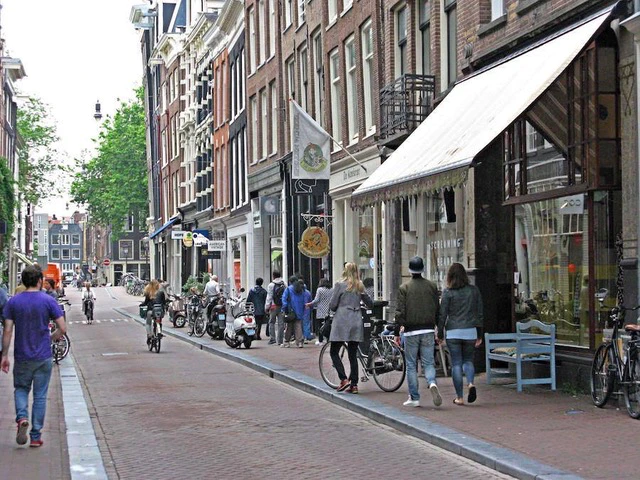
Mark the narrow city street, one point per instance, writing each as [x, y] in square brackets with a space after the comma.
[185, 413]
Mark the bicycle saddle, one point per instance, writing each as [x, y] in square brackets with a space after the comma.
[632, 327]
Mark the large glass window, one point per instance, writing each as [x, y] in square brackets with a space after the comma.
[265, 111]
[262, 25]
[304, 80]
[368, 80]
[272, 28]
[452, 42]
[352, 88]
[252, 41]
[445, 233]
[424, 28]
[336, 110]
[318, 84]
[401, 41]
[274, 118]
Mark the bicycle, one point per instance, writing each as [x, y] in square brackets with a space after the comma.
[59, 348]
[385, 361]
[88, 310]
[155, 341]
[617, 366]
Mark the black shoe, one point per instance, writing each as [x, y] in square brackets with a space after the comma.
[258, 338]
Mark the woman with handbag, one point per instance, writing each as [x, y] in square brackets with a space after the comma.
[294, 301]
[347, 326]
[321, 305]
[462, 316]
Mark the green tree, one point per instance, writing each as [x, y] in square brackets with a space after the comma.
[113, 184]
[39, 161]
[7, 195]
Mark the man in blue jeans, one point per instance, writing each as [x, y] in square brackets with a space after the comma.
[417, 311]
[31, 312]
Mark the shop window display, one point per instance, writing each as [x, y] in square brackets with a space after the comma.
[445, 235]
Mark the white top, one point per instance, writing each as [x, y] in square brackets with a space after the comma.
[86, 294]
[212, 288]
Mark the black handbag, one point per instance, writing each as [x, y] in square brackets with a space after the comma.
[325, 328]
[290, 316]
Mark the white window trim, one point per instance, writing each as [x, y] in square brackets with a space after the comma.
[332, 6]
[497, 9]
[274, 118]
[73, 254]
[55, 254]
[367, 80]
[336, 111]
[351, 85]
[318, 86]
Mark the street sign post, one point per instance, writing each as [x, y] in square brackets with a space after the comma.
[106, 262]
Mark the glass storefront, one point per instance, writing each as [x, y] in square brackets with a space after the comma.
[445, 234]
[366, 248]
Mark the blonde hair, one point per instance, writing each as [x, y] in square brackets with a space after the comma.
[151, 289]
[351, 277]
[87, 285]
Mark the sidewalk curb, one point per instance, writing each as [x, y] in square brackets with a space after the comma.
[493, 456]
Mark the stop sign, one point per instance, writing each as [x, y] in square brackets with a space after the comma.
[106, 262]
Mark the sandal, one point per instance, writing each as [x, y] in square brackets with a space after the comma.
[458, 401]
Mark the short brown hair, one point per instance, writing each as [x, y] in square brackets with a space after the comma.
[457, 276]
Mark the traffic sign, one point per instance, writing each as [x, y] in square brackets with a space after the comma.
[106, 262]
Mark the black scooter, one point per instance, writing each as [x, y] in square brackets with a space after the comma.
[216, 317]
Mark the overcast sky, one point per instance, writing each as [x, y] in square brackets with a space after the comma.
[74, 52]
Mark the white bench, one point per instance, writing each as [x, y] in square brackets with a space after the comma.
[522, 347]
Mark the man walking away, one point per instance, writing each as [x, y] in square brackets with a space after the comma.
[417, 311]
[31, 312]
[258, 297]
[273, 305]
[4, 298]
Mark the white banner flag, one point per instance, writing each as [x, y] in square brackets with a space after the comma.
[311, 147]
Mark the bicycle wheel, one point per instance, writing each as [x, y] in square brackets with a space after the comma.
[601, 380]
[157, 336]
[389, 367]
[631, 388]
[200, 326]
[61, 350]
[327, 370]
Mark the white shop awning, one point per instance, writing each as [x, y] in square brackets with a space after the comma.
[479, 108]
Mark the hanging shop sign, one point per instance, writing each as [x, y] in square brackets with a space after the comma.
[177, 234]
[314, 243]
[200, 238]
[187, 240]
[216, 245]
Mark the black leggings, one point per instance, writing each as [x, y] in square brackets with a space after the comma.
[317, 323]
[352, 350]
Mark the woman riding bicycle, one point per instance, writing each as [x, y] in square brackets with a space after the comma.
[347, 324]
[154, 299]
[88, 297]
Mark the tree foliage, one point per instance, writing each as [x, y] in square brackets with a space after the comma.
[7, 195]
[38, 160]
[113, 184]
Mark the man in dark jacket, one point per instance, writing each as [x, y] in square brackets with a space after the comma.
[417, 311]
[258, 296]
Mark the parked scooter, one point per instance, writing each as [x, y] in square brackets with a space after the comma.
[216, 317]
[240, 324]
[177, 311]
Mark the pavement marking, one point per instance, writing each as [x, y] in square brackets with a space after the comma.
[113, 354]
[110, 293]
[85, 459]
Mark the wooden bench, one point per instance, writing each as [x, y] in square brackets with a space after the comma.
[522, 347]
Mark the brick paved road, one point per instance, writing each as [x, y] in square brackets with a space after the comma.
[188, 414]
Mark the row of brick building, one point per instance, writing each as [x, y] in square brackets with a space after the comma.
[501, 134]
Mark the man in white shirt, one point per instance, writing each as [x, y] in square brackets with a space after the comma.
[212, 288]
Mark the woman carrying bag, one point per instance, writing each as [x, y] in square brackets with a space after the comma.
[321, 305]
[347, 325]
[462, 317]
[294, 300]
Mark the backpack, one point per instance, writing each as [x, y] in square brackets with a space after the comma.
[278, 291]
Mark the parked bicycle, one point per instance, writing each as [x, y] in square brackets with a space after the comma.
[59, 348]
[385, 361]
[616, 365]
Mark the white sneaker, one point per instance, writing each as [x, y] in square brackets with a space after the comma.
[435, 393]
[411, 403]
[318, 342]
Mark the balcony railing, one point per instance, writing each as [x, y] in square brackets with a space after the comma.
[404, 104]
